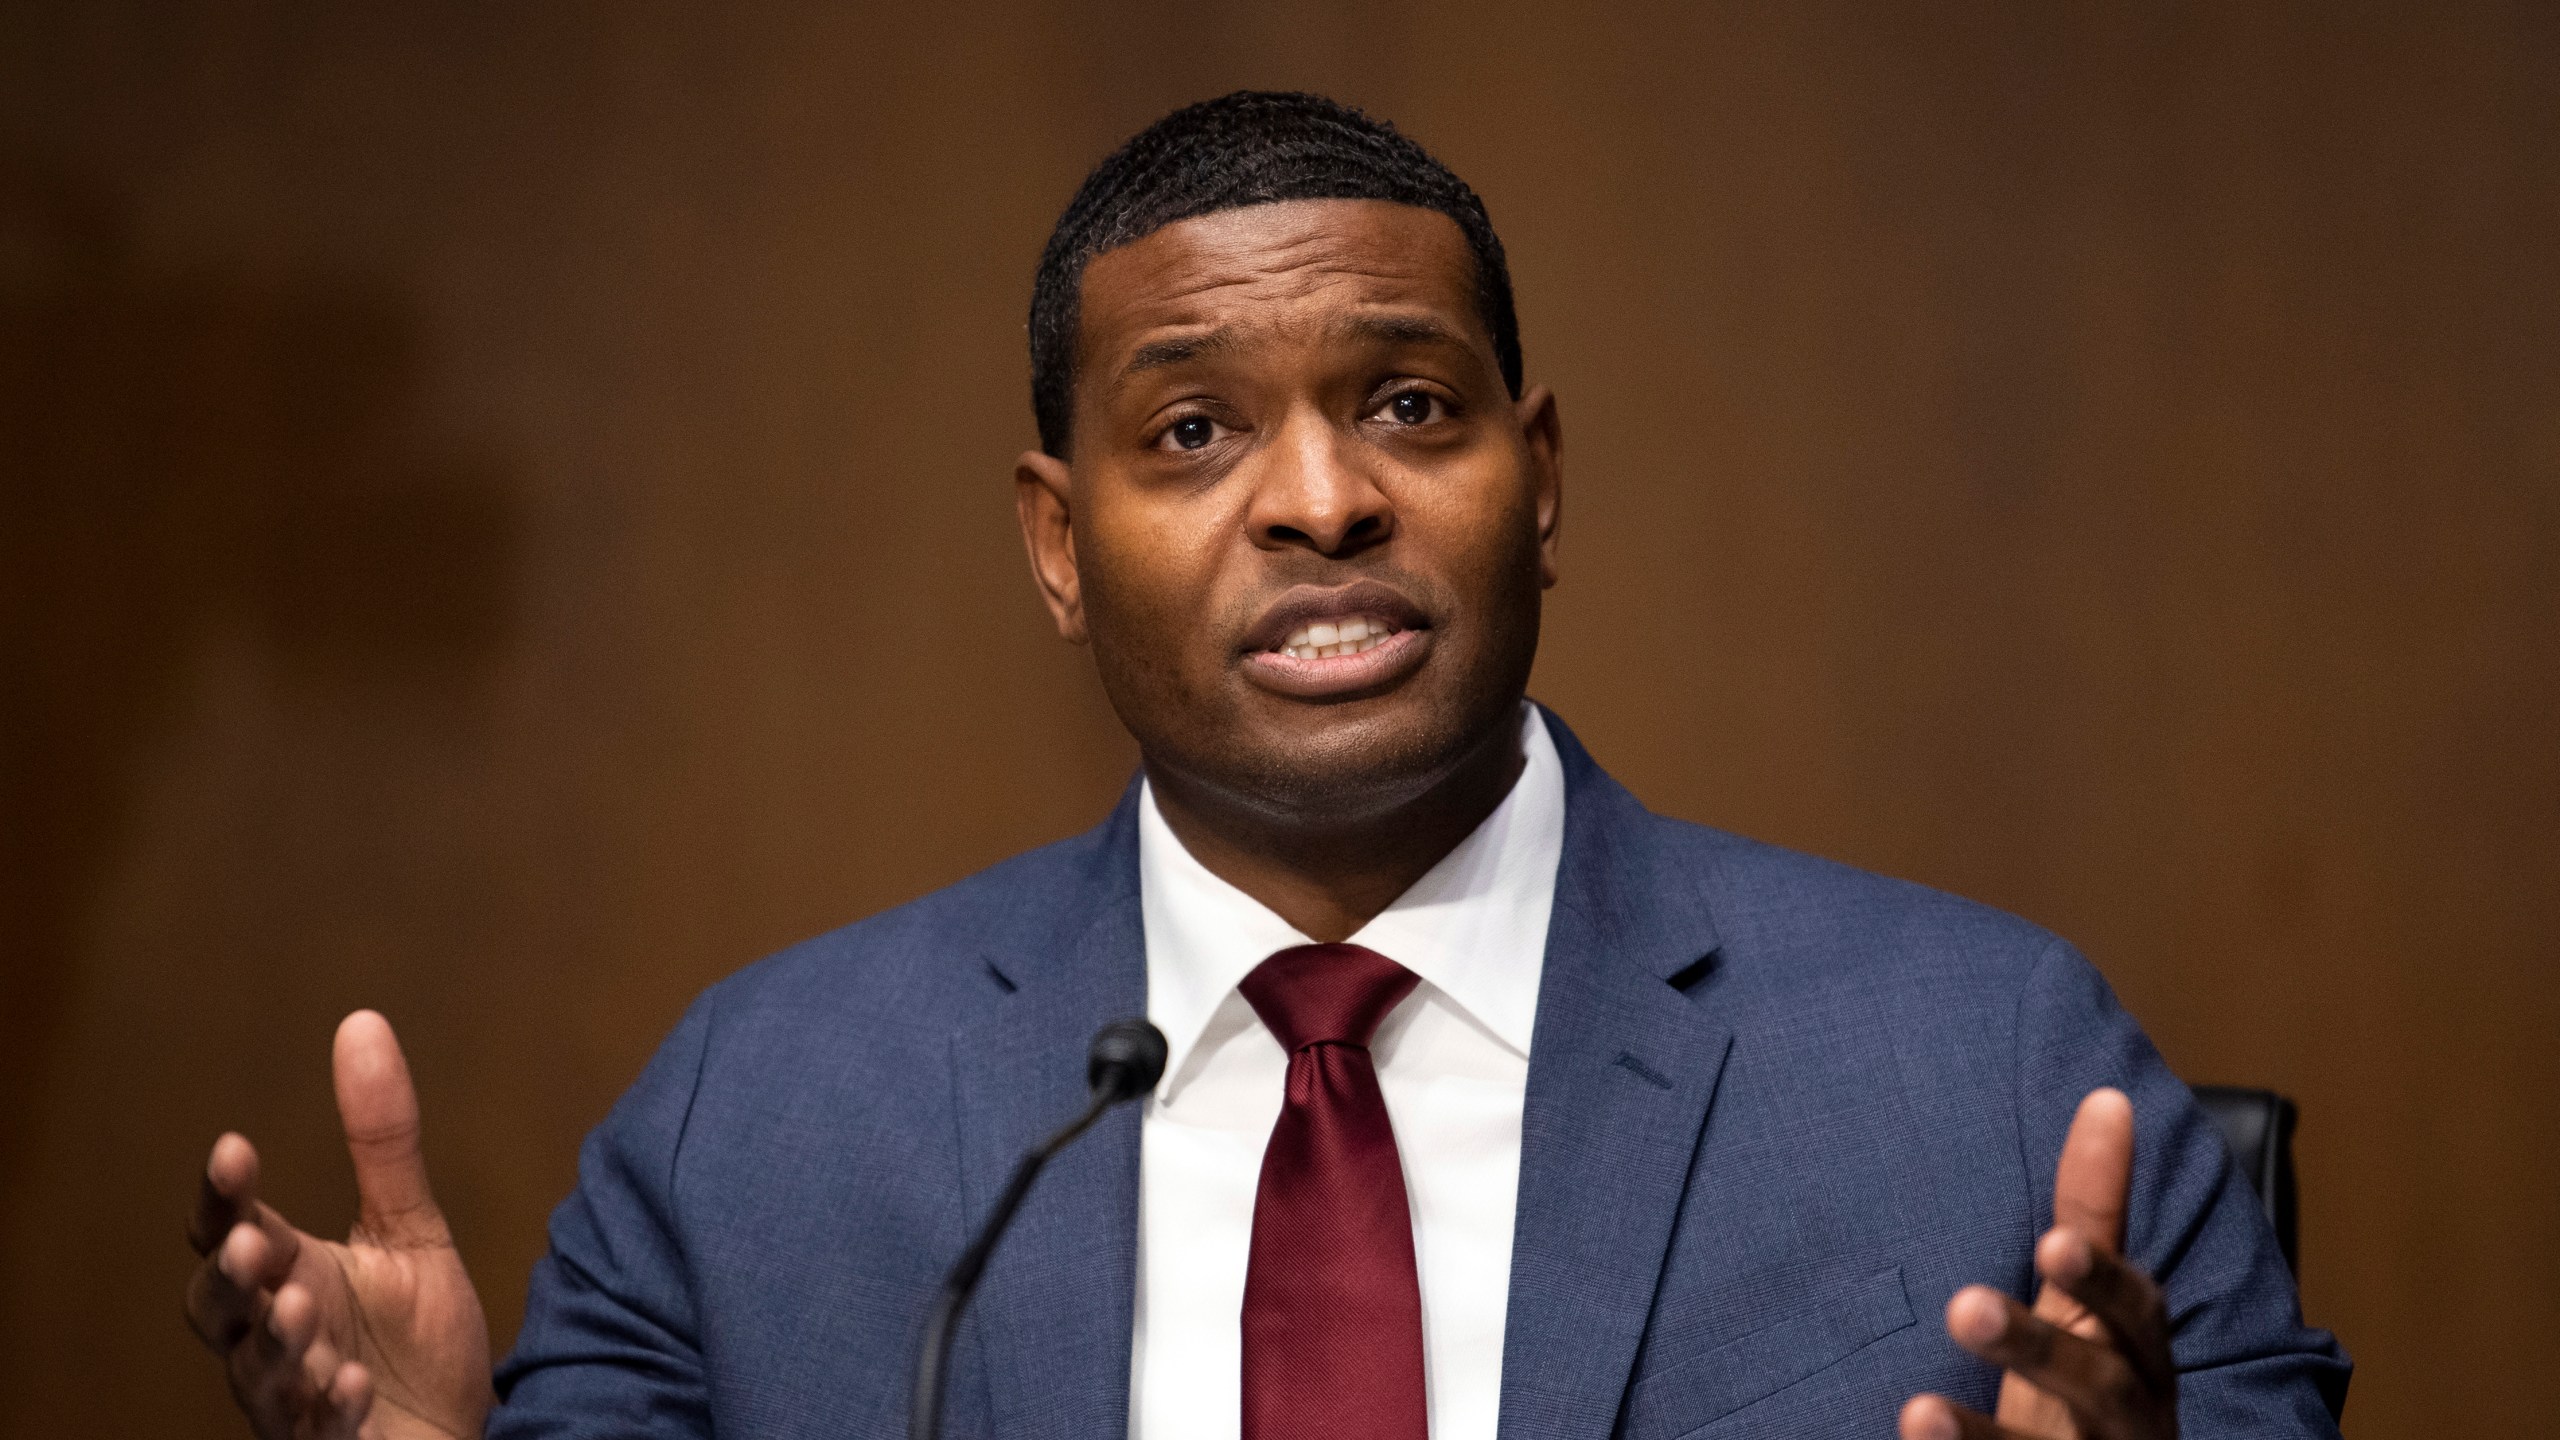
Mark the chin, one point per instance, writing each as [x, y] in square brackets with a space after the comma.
[1354, 764]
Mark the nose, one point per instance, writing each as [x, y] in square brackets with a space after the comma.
[1313, 494]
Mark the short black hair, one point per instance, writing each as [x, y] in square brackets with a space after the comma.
[1254, 147]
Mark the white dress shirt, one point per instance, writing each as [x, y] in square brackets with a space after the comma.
[1453, 1063]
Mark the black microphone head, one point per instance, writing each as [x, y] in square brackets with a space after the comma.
[1126, 1061]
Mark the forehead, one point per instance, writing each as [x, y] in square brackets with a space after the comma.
[1283, 266]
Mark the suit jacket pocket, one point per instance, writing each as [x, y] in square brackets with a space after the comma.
[1692, 1393]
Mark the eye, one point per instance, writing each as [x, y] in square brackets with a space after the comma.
[1191, 432]
[1414, 407]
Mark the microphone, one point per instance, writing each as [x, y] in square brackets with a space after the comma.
[1125, 1061]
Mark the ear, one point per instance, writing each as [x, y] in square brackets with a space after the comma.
[1040, 502]
[1542, 429]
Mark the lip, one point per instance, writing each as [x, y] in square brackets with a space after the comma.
[1306, 604]
[1337, 676]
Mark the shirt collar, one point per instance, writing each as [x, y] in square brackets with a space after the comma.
[1474, 927]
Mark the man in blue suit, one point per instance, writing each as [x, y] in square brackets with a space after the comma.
[1497, 1106]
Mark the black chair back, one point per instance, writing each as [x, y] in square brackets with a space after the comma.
[2258, 1124]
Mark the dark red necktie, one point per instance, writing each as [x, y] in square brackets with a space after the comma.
[1332, 1308]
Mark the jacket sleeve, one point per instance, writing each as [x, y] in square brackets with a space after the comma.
[611, 1344]
[2247, 1365]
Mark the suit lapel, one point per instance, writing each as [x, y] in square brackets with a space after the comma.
[1053, 1312]
[1622, 1069]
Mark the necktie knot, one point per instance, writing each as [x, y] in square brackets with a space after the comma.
[1326, 994]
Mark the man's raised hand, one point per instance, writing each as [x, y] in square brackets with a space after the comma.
[2091, 1361]
[380, 1338]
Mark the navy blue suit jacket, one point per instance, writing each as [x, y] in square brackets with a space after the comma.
[1778, 1112]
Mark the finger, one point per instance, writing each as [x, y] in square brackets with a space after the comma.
[1935, 1417]
[294, 1319]
[228, 1296]
[345, 1403]
[2086, 1375]
[228, 1291]
[378, 1107]
[266, 1378]
[226, 1194]
[318, 1367]
[2096, 1170]
[2128, 1301]
[258, 1254]
[218, 1310]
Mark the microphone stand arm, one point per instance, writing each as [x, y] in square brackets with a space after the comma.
[925, 1413]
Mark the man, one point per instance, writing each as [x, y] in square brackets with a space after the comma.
[1496, 1103]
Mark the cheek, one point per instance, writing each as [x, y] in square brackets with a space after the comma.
[1481, 532]
[1146, 570]
[1151, 592]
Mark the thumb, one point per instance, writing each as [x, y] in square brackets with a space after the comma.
[2096, 1171]
[378, 1108]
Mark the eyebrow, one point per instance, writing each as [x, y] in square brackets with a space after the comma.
[1386, 329]
[1157, 354]
[1398, 330]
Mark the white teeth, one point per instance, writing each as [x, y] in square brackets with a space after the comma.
[1326, 639]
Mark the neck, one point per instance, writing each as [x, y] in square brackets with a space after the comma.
[1328, 875]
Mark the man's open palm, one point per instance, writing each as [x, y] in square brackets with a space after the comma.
[2091, 1360]
[380, 1338]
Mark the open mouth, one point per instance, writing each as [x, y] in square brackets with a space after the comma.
[1330, 644]
[1325, 639]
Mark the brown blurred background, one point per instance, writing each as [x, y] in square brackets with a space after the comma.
[506, 520]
